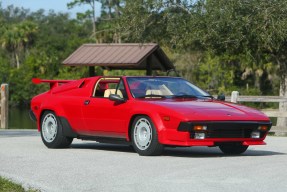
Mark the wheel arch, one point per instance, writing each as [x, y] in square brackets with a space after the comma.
[56, 135]
[66, 127]
[40, 117]
[131, 123]
[156, 120]
[57, 110]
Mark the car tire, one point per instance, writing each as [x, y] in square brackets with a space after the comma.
[233, 148]
[52, 131]
[145, 138]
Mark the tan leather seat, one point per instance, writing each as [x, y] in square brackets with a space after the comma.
[153, 92]
[112, 91]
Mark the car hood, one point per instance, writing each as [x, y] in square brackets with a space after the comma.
[212, 110]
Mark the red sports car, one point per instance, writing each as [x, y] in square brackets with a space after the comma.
[146, 112]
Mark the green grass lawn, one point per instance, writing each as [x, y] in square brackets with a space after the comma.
[9, 186]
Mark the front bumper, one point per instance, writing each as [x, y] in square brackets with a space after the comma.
[216, 134]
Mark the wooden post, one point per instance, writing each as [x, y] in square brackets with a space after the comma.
[4, 106]
[149, 66]
[282, 121]
[234, 96]
[92, 71]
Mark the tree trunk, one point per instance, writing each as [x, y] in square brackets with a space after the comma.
[110, 12]
[17, 60]
[94, 20]
[283, 105]
[117, 11]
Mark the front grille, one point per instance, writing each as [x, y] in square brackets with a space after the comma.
[225, 129]
[231, 130]
[229, 133]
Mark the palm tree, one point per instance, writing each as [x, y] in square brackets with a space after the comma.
[16, 38]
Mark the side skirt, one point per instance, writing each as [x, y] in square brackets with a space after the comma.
[69, 132]
[110, 140]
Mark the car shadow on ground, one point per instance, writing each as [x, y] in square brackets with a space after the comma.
[104, 147]
[193, 152]
[201, 152]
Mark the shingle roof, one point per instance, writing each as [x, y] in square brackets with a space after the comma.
[120, 56]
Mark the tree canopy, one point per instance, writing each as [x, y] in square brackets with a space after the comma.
[217, 44]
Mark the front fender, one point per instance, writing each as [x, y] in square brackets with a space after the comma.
[162, 119]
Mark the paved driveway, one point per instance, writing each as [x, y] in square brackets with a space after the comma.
[89, 166]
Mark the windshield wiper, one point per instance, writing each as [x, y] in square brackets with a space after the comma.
[184, 96]
[208, 96]
[152, 96]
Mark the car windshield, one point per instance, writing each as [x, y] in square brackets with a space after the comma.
[164, 87]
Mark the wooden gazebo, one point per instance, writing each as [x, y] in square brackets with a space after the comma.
[120, 56]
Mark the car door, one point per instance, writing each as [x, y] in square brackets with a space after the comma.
[104, 117]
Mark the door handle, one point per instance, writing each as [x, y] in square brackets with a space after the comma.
[87, 102]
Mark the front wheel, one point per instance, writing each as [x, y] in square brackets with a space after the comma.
[52, 132]
[144, 137]
[233, 149]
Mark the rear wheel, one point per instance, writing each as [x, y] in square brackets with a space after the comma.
[144, 137]
[52, 131]
[233, 148]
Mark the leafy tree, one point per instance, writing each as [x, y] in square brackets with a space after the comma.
[219, 45]
[255, 29]
[104, 28]
[138, 21]
[108, 27]
[111, 5]
[41, 51]
[91, 13]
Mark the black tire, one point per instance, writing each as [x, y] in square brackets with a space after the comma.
[152, 147]
[52, 131]
[233, 148]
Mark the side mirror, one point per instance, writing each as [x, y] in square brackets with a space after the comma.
[221, 97]
[114, 97]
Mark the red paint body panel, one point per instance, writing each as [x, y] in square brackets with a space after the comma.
[90, 115]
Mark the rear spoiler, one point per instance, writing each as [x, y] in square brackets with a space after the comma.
[53, 83]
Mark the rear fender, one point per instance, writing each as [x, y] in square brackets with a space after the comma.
[59, 112]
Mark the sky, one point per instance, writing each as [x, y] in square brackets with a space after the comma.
[56, 5]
